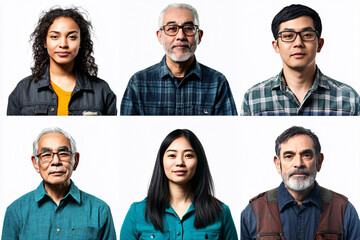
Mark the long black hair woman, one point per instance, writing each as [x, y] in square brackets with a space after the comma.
[180, 202]
[64, 76]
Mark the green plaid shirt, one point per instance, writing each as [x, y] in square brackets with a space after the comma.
[326, 97]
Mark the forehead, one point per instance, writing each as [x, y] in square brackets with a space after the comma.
[178, 15]
[63, 23]
[53, 141]
[180, 143]
[297, 24]
[297, 143]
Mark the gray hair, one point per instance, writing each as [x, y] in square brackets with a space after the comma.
[53, 130]
[179, 5]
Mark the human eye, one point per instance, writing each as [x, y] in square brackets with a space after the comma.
[73, 37]
[287, 35]
[288, 157]
[54, 37]
[307, 156]
[46, 155]
[308, 35]
[64, 154]
[171, 28]
[189, 155]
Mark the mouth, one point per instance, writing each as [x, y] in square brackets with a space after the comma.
[180, 172]
[298, 54]
[181, 45]
[57, 173]
[62, 54]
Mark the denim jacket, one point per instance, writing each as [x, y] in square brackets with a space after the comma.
[89, 97]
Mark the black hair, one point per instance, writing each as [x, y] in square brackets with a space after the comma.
[207, 208]
[294, 11]
[291, 132]
[84, 61]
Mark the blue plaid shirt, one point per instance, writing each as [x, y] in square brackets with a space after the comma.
[79, 216]
[326, 97]
[155, 91]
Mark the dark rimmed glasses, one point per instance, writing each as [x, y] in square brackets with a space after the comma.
[172, 30]
[64, 156]
[290, 36]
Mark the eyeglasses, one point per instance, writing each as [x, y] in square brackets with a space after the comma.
[290, 36]
[172, 30]
[47, 157]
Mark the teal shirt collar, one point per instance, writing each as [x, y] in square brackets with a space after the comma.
[74, 192]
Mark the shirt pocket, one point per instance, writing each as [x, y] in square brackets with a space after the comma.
[85, 233]
[210, 235]
[38, 109]
[155, 236]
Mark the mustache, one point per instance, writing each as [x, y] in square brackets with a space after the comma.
[300, 170]
[186, 44]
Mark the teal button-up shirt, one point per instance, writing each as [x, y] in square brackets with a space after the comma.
[135, 226]
[78, 216]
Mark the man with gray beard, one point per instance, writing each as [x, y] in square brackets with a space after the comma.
[178, 85]
[299, 208]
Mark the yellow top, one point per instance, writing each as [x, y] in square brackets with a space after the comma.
[63, 100]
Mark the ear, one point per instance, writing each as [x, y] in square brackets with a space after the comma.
[275, 45]
[158, 34]
[33, 159]
[277, 164]
[319, 162]
[201, 33]
[320, 44]
[76, 160]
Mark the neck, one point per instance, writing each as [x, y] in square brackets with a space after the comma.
[179, 193]
[299, 81]
[62, 75]
[57, 191]
[300, 196]
[179, 69]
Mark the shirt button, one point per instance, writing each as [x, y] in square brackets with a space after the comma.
[206, 111]
[58, 230]
[153, 236]
[178, 233]
[52, 109]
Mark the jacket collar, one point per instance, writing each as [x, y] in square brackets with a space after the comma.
[82, 82]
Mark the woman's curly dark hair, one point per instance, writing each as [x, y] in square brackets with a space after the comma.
[84, 61]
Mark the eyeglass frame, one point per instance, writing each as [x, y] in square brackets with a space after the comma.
[53, 154]
[299, 33]
[180, 27]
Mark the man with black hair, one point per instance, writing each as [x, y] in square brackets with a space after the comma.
[300, 88]
[299, 208]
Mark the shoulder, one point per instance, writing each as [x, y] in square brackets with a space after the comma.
[94, 202]
[266, 85]
[337, 85]
[210, 73]
[25, 83]
[98, 83]
[149, 70]
[21, 201]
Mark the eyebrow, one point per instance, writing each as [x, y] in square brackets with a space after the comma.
[304, 29]
[172, 22]
[61, 148]
[174, 150]
[302, 152]
[57, 32]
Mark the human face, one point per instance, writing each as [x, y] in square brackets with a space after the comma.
[180, 161]
[179, 48]
[298, 55]
[298, 164]
[55, 172]
[63, 41]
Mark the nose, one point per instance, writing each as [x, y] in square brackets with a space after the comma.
[181, 34]
[56, 161]
[179, 161]
[298, 161]
[63, 42]
[298, 41]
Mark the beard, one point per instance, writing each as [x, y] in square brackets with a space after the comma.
[299, 183]
[190, 50]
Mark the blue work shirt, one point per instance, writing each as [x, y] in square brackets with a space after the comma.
[300, 222]
[155, 91]
[136, 227]
[78, 216]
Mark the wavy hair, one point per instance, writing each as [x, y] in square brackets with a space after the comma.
[84, 61]
[207, 208]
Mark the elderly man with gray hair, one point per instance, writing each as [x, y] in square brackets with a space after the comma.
[178, 85]
[57, 209]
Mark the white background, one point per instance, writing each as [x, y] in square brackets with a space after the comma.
[237, 39]
[117, 154]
